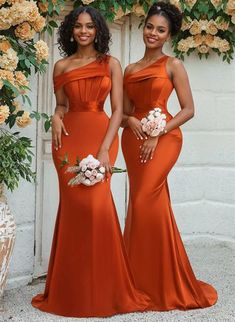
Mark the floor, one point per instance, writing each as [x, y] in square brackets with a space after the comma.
[213, 262]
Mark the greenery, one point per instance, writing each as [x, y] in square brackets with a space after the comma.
[16, 158]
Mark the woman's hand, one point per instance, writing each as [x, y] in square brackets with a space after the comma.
[57, 129]
[103, 157]
[136, 127]
[147, 149]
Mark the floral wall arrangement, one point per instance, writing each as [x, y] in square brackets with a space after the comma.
[21, 54]
[208, 25]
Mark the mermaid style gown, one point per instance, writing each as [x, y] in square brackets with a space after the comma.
[88, 273]
[158, 259]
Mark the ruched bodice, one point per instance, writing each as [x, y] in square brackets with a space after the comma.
[149, 87]
[86, 87]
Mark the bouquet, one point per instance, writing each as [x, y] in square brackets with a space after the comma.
[89, 172]
[154, 123]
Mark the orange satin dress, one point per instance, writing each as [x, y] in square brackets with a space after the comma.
[89, 273]
[158, 259]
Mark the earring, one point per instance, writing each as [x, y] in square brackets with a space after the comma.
[72, 39]
[96, 40]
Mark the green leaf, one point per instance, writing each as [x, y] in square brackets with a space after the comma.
[53, 24]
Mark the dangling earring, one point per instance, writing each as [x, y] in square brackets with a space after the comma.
[72, 39]
[96, 40]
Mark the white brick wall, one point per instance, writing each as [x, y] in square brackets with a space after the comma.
[203, 182]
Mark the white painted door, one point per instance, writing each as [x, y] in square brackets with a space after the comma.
[47, 188]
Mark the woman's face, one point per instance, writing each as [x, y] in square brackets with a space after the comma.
[156, 31]
[84, 31]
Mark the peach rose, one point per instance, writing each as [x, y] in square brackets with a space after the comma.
[209, 40]
[195, 28]
[198, 39]
[203, 49]
[39, 23]
[23, 120]
[43, 7]
[4, 45]
[185, 44]
[138, 10]
[211, 27]
[24, 31]
[224, 46]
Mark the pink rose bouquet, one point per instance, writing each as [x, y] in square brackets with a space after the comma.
[154, 123]
[89, 172]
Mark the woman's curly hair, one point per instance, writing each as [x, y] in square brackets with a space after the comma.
[103, 37]
[168, 11]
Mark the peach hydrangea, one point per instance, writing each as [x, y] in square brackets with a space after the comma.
[41, 50]
[9, 60]
[23, 120]
[4, 113]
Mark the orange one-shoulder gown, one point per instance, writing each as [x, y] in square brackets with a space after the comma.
[88, 273]
[158, 259]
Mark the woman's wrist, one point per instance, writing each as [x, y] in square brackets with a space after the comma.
[59, 114]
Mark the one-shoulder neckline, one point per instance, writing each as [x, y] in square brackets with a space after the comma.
[78, 68]
[142, 69]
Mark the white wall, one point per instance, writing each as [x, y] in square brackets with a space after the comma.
[202, 184]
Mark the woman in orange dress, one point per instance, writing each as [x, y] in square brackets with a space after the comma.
[88, 273]
[158, 259]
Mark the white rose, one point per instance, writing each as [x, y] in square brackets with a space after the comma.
[99, 177]
[102, 169]
[83, 167]
[157, 109]
[87, 182]
[150, 117]
[88, 173]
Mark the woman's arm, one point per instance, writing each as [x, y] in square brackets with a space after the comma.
[116, 97]
[182, 87]
[60, 109]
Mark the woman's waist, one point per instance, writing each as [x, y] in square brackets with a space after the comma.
[86, 106]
